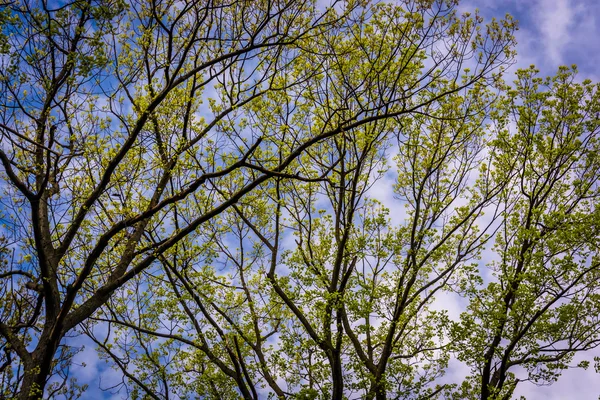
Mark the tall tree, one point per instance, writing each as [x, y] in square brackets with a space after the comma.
[540, 305]
[111, 113]
[286, 292]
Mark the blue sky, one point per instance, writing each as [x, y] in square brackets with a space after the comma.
[551, 33]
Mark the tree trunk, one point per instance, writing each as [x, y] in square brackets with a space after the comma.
[34, 381]
[337, 392]
[37, 372]
[377, 390]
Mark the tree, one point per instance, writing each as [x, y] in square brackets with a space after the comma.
[106, 126]
[540, 307]
[285, 292]
[112, 157]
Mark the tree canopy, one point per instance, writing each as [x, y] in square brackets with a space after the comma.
[268, 198]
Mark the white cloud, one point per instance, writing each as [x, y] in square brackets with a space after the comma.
[559, 23]
[556, 17]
